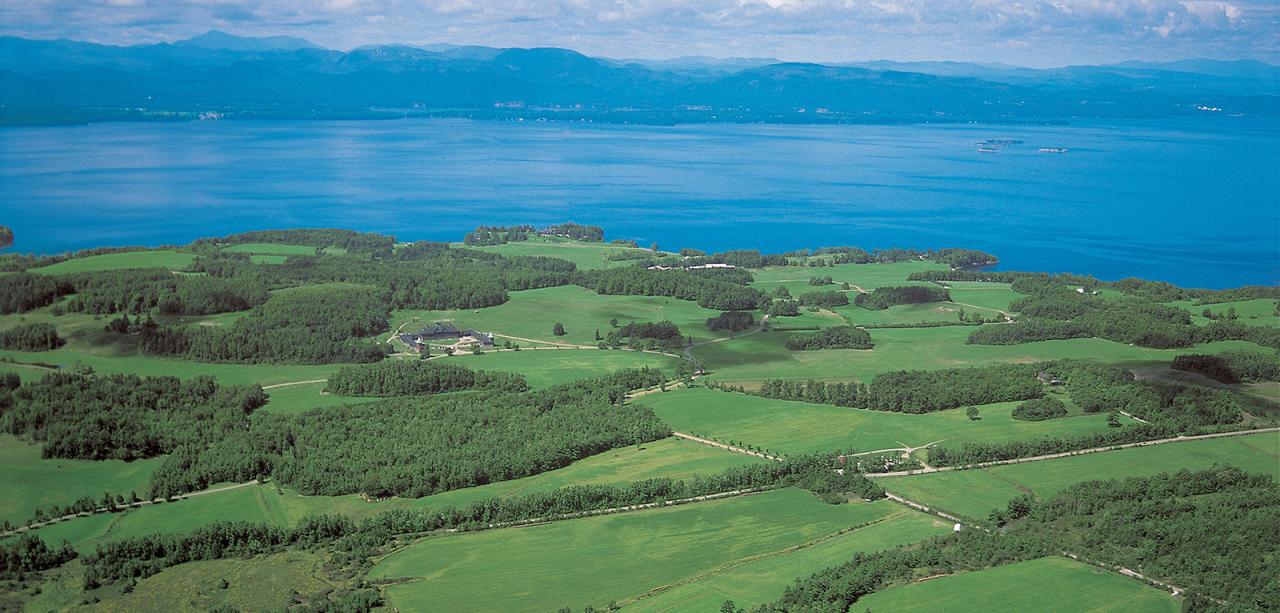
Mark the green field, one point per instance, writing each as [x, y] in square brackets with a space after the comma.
[30, 482]
[789, 427]
[596, 560]
[533, 313]
[764, 580]
[271, 249]
[672, 457]
[263, 583]
[158, 258]
[991, 296]
[866, 276]
[1257, 312]
[587, 256]
[974, 493]
[1046, 584]
[547, 367]
[765, 356]
[299, 398]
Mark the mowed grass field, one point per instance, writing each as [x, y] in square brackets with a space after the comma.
[974, 493]
[1258, 312]
[533, 313]
[765, 356]
[29, 482]
[764, 580]
[1046, 584]
[789, 427]
[548, 367]
[300, 398]
[587, 256]
[271, 249]
[157, 258]
[597, 560]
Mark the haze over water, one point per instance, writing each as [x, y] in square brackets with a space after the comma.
[1194, 202]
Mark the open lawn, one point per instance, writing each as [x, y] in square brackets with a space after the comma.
[764, 580]
[533, 313]
[765, 356]
[587, 256]
[29, 482]
[597, 560]
[907, 314]
[974, 493]
[787, 427]
[271, 249]
[990, 296]
[300, 398]
[1046, 584]
[158, 258]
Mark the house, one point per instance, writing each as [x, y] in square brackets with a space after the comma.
[1048, 379]
[445, 333]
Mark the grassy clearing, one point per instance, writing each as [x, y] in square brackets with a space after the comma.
[764, 580]
[765, 356]
[587, 256]
[264, 583]
[301, 398]
[907, 313]
[610, 558]
[533, 313]
[991, 296]
[157, 258]
[788, 427]
[30, 482]
[1047, 584]
[548, 367]
[271, 249]
[974, 493]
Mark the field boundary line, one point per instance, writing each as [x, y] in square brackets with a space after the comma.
[726, 446]
[126, 507]
[1066, 454]
[278, 385]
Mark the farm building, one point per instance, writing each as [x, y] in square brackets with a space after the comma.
[445, 333]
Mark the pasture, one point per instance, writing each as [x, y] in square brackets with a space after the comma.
[974, 493]
[270, 249]
[763, 580]
[547, 367]
[1257, 312]
[612, 558]
[1046, 584]
[789, 427]
[587, 256]
[154, 258]
[865, 276]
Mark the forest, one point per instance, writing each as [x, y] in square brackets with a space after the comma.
[1040, 409]
[635, 281]
[37, 336]
[916, 391]
[824, 298]
[1232, 366]
[884, 297]
[417, 377]
[733, 321]
[839, 337]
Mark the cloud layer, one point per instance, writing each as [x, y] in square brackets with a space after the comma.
[1024, 32]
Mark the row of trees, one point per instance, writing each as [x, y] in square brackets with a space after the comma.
[884, 297]
[364, 243]
[733, 321]
[496, 235]
[37, 336]
[417, 377]
[824, 298]
[141, 291]
[839, 337]
[917, 391]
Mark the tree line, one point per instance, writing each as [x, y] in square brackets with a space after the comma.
[484, 236]
[1232, 366]
[838, 337]
[884, 297]
[363, 243]
[733, 321]
[36, 336]
[916, 391]
[635, 281]
[417, 377]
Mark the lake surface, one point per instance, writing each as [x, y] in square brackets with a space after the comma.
[1195, 202]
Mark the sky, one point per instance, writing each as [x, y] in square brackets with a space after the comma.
[1037, 33]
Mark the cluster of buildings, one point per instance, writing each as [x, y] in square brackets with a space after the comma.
[698, 267]
[445, 333]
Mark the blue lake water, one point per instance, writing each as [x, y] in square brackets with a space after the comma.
[1194, 202]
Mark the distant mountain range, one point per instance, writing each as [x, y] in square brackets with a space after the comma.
[219, 75]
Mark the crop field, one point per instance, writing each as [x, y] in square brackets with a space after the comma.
[789, 427]
[29, 482]
[764, 580]
[1046, 584]
[974, 493]
[587, 256]
[158, 258]
[532, 314]
[765, 356]
[865, 276]
[596, 560]
[271, 249]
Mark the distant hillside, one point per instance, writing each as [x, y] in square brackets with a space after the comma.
[222, 75]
